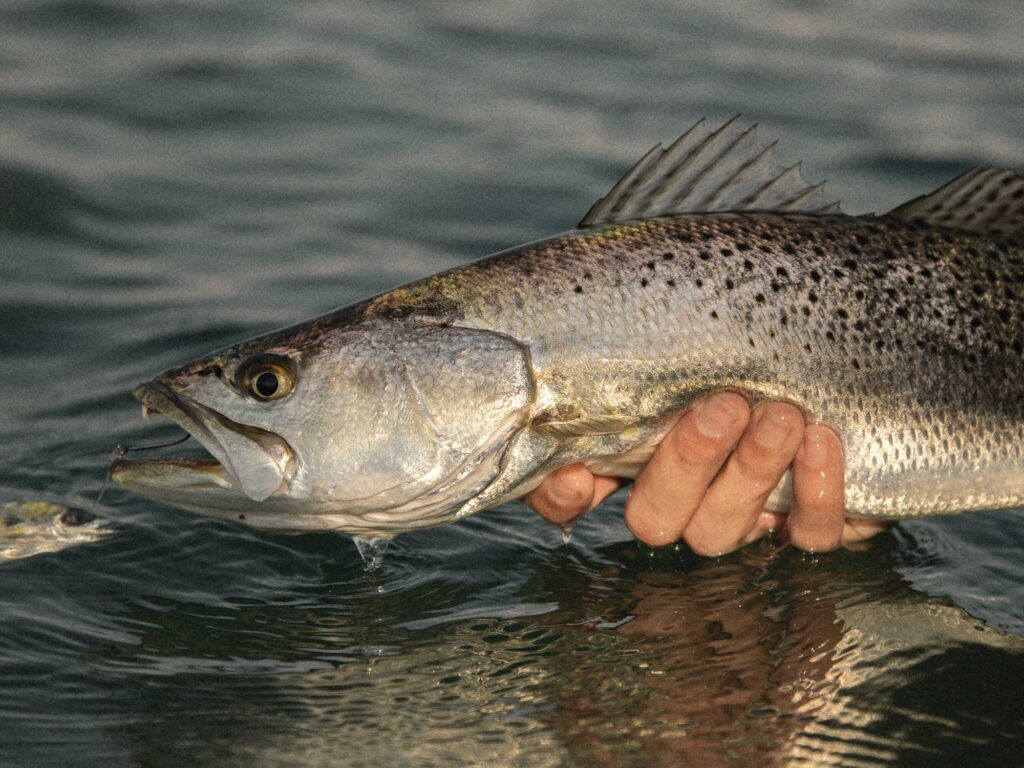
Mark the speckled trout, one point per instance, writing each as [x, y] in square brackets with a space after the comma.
[708, 266]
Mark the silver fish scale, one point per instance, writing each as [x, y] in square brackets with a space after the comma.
[907, 339]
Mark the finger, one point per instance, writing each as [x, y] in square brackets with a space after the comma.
[564, 495]
[605, 486]
[819, 511]
[732, 506]
[671, 486]
[767, 523]
[857, 530]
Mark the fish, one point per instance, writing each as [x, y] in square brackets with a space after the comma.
[32, 527]
[708, 266]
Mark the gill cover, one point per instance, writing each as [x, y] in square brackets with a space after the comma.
[422, 415]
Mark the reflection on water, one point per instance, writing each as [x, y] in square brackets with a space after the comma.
[596, 655]
[174, 177]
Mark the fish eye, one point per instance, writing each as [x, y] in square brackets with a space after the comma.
[267, 377]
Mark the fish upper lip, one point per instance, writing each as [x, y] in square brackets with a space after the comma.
[192, 417]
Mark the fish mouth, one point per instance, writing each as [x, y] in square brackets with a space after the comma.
[244, 458]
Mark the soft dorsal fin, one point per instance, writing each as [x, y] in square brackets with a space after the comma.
[707, 171]
[983, 201]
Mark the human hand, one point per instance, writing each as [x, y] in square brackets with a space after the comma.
[709, 478]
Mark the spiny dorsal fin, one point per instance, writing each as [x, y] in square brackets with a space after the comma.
[983, 201]
[709, 171]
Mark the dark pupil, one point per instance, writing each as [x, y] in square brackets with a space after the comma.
[266, 384]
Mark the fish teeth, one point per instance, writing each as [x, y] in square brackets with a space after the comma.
[146, 411]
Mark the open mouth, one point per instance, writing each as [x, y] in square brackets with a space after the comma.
[255, 461]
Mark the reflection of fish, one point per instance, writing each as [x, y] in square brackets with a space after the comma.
[707, 266]
[30, 527]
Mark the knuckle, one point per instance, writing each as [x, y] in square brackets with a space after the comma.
[816, 542]
[760, 468]
[706, 547]
[648, 522]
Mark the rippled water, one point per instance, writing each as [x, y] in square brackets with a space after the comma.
[176, 176]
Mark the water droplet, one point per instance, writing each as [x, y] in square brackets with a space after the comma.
[567, 533]
[372, 550]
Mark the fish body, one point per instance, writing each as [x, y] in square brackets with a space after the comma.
[706, 267]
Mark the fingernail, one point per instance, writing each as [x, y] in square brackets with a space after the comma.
[715, 415]
[773, 427]
[816, 441]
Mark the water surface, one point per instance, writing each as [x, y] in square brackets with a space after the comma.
[174, 177]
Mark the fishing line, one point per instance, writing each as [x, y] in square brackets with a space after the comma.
[120, 450]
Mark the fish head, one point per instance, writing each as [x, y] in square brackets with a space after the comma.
[373, 428]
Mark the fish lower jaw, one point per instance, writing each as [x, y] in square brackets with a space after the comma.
[150, 476]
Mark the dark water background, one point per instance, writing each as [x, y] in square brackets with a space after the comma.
[175, 176]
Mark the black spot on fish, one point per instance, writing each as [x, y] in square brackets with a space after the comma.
[726, 252]
[859, 294]
[670, 283]
[815, 276]
[850, 264]
[241, 517]
[643, 282]
[748, 264]
[587, 276]
[704, 255]
[650, 265]
[806, 310]
[11, 520]
[855, 363]
[759, 298]
[578, 289]
[775, 286]
[781, 272]
[699, 283]
[714, 315]
[729, 284]
[842, 313]
[812, 297]
[668, 256]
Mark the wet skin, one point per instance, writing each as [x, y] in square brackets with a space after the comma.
[708, 480]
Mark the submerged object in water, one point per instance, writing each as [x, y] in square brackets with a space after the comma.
[31, 527]
[708, 266]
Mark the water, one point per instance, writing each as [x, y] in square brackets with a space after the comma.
[176, 176]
